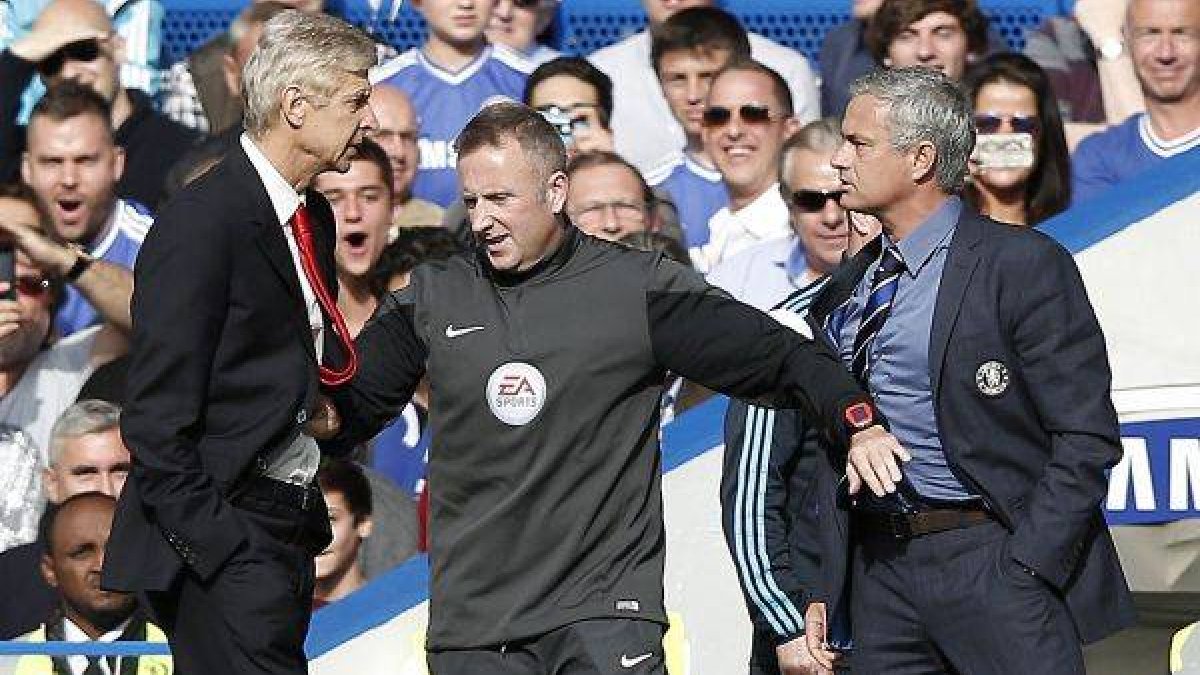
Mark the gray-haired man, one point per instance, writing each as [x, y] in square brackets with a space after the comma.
[234, 309]
[985, 551]
[86, 455]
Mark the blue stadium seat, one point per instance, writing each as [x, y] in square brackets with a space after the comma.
[188, 24]
[584, 26]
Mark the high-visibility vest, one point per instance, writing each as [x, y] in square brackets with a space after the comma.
[40, 664]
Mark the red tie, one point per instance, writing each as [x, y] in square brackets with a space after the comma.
[302, 229]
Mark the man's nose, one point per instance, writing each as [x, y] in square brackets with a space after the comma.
[352, 210]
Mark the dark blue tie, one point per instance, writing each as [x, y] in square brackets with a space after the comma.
[875, 313]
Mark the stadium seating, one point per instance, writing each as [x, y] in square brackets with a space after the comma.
[582, 26]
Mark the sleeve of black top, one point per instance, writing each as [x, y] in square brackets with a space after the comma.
[391, 361]
[700, 332]
[15, 75]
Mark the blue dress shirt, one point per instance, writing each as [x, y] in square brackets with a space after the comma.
[899, 374]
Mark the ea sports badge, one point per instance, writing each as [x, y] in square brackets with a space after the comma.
[992, 378]
[516, 393]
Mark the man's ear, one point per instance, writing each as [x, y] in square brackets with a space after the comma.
[52, 484]
[365, 527]
[47, 570]
[924, 161]
[294, 107]
[556, 191]
[790, 126]
[232, 74]
[118, 162]
[117, 48]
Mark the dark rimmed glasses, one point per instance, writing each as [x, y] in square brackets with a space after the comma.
[82, 50]
[750, 113]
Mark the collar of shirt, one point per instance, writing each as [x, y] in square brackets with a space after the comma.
[761, 216]
[73, 633]
[695, 167]
[917, 248]
[284, 198]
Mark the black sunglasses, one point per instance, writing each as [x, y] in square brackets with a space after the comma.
[751, 113]
[811, 201]
[526, 4]
[83, 50]
[30, 286]
[989, 123]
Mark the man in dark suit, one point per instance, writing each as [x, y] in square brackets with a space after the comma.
[233, 311]
[979, 548]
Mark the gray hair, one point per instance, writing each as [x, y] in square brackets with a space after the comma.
[819, 136]
[89, 416]
[302, 50]
[925, 106]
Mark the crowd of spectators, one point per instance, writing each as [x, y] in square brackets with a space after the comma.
[694, 137]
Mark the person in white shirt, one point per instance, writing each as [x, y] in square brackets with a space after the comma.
[767, 273]
[516, 24]
[646, 132]
[746, 121]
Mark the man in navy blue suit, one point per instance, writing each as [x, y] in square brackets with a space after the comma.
[980, 546]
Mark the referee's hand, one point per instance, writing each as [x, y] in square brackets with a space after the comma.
[872, 461]
[816, 635]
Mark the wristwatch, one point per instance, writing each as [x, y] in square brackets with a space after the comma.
[83, 260]
[1111, 49]
[858, 416]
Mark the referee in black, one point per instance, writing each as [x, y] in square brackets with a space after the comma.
[546, 351]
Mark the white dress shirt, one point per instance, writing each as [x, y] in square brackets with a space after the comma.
[731, 232]
[79, 663]
[298, 462]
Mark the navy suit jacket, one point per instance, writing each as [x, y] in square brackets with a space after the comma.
[222, 372]
[1037, 450]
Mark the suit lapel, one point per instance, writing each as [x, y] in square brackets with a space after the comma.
[273, 244]
[961, 260]
[841, 286]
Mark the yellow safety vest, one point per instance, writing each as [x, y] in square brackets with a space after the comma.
[40, 664]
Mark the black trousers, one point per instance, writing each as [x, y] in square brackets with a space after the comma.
[250, 618]
[591, 647]
[956, 602]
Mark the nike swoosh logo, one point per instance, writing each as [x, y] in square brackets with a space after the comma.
[627, 662]
[452, 332]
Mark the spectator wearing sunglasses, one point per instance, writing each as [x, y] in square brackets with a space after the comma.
[1163, 38]
[448, 79]
[516, 24]
[40, 376]
[646, 132]
[766, 273]
[1020, 171]
[72, 164]
[945, 35]
[688, 50]
[746, 121]
[74, 40]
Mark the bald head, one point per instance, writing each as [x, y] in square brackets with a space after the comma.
[397, 135]
[74, 22]
[74, 14]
